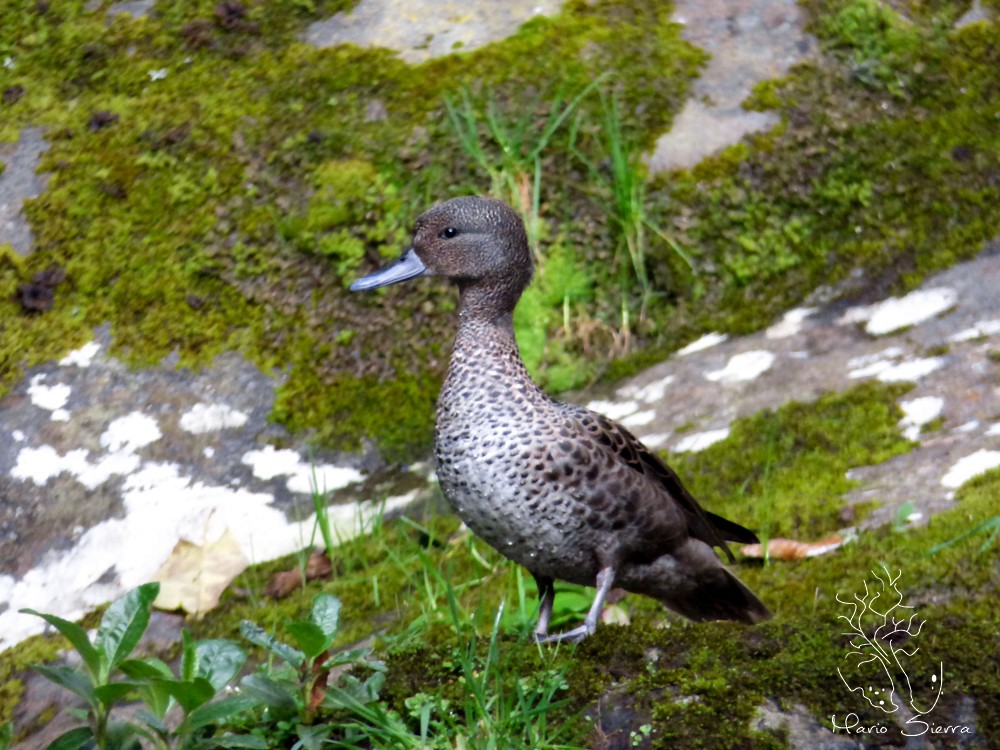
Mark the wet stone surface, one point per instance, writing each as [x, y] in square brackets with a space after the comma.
[750, 41]
[420, 30]
[19, 181]
[103, 469]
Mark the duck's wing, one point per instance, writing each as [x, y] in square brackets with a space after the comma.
[626, 448]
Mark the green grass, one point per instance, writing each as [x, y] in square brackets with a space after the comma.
[625, 186]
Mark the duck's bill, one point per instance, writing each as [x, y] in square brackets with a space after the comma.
[408, 266]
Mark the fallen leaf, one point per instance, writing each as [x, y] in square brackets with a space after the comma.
[615, 614]
[194, 576]
[790, 549]
[285, 582]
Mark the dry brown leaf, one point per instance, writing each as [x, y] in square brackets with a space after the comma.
[790, 549]
[285, 582]
[194, 576]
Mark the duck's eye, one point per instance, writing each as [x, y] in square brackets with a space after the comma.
[448, 233]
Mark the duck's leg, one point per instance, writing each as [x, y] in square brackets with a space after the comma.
[546, 596]
[605, 579]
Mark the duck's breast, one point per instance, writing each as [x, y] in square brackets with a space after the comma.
[493, 469]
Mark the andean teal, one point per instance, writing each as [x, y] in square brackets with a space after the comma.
[564, 491]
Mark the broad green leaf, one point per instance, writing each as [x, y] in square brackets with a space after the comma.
[72, 740]
[148, 668]
[190, 694]
[158, 699]
[110, 693]
[260, 637]
[326, 615]
[309, 637]
[72, 679]
[215, 713]
[276, 697]
[77, 636]
[6, 735]
[219, 661]
[123, 624]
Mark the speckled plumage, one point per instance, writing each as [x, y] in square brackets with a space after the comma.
[565, 492]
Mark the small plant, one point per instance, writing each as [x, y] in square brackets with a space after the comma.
[298, 687]
[516, 172]
[497, 708]
[109, 675]
[626, 186]
[643, 733]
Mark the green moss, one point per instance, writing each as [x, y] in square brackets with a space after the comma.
[788, 466]
[883, 141]
[14, 662]
[248, 176]
[934, 425]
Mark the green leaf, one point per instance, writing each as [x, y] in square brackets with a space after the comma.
[309, 637]
[215, 713]
[6, 735]
[191, 694]
[72, 679]
[189, 657]
[312, 738]
[123, 624]
[110, 693]
[77, 636]
[326, 615]
[219, 661]
[149, 668]
[271, 694]
[260, 637]
[72, 740]
[157, 698]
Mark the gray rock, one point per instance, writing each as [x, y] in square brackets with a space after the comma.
[804, 732]
[750, 41]
[18, 182]
[424, 29]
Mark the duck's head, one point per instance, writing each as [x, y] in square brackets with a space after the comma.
[479, 243]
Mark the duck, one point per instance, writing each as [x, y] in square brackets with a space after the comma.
[561, 490]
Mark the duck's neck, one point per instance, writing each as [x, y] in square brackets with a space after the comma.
[485, 320]
[485, 347]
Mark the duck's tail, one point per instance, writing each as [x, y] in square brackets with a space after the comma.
[692, 581]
